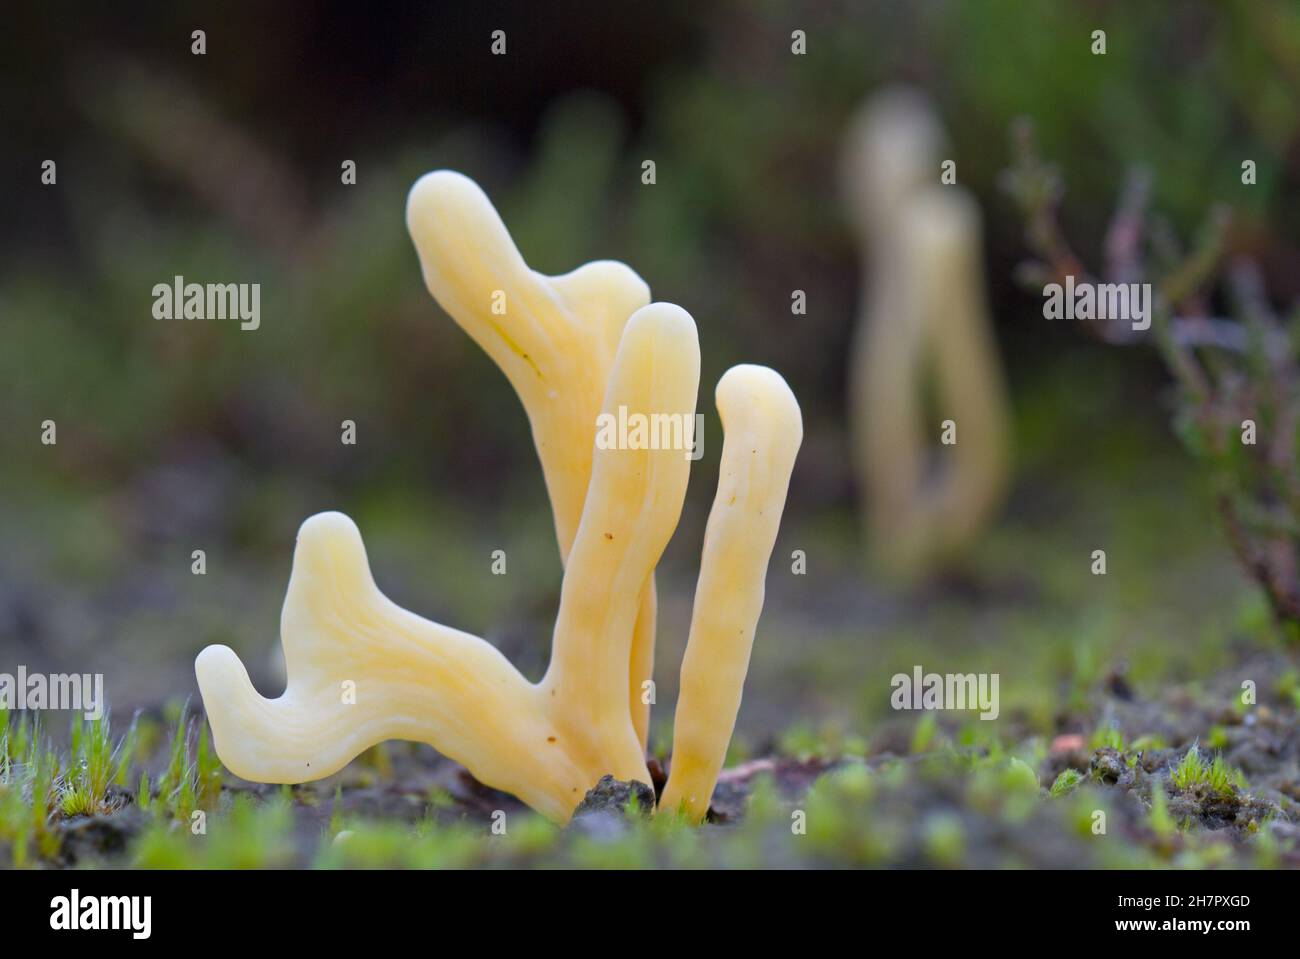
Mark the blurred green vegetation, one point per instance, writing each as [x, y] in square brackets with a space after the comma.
[746, 140]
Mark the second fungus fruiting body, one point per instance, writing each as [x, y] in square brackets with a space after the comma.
[924, 317]
[574, 347]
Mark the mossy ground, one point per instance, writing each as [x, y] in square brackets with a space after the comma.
[1117, 798]
[1120, 694]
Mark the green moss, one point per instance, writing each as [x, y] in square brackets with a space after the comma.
[248, 835]
[144, 792]
[1020, 777]
[925, 734]
[1107, 736]
[1065, 783]
[1288, 688]
[1217, 776]
[175, 786]
[193, 775]
[944, 839]
[377, 845]
[1149, 741]
[1191, 771]
[1162, 824]
[801, 741]
[852, 782]
[94, 766]
[207, 771]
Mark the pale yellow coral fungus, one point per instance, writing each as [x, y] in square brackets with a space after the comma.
[924, 318]
[362, 670]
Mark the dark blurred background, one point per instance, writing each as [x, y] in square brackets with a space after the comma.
[175, 436]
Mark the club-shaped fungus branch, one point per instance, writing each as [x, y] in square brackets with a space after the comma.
[363, 670]
[924, 316]
[553, 336]
[763, 429]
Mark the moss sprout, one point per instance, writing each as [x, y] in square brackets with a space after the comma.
[1216, 776]
[1065, 783]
